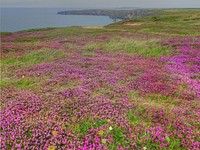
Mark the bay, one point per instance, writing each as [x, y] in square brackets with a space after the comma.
[16, 19]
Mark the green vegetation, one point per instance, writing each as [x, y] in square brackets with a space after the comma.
[134, 118]
[146, 48]
[168, 21]
[37, 29]
[126, 74]
[6, 33]
[77, 31]
[35, 57]
[117, 134]
[88, 54]
[85, 125]
[23, 83]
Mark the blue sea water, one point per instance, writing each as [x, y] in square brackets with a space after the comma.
[15, 19]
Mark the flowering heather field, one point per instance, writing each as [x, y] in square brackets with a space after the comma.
[126, 86]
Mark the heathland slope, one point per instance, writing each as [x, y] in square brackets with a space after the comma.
[134, 84]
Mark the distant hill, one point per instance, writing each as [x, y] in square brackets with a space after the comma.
[127, 8]
[122, 13]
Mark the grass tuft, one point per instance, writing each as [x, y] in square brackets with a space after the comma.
[36, 57]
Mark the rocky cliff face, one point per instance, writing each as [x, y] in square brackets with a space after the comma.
[114, 14]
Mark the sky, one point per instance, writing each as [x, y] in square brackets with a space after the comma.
[103, 3]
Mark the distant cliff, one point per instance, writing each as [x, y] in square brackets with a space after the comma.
[114, 14]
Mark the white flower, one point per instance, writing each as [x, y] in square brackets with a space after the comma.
[23, 76]
[110, 128]
[104, 141]
[144, 148]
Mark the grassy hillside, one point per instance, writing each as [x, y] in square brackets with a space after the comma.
[172, 21]
[133, 84]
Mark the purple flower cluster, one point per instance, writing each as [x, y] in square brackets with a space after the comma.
[185, 66]
[108, 101]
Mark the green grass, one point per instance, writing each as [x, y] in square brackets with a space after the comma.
[133, 94]
[83, 127]
[37, 29]
[88, 54]
[118, 135]
[174, 143]
[71, 84]
[112, 146]
[5, 82]
[77, 31]
[148, 48]
[5, 33]
[172, 30]
[35, 57]
[167, 21]
[151, 145]
[134, 118]
[159, 97]
[23, 83]
[61, 32]
[99, 123]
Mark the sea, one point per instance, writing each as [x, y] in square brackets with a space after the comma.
[16, 19]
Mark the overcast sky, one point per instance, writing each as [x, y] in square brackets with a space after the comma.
[103, 3]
